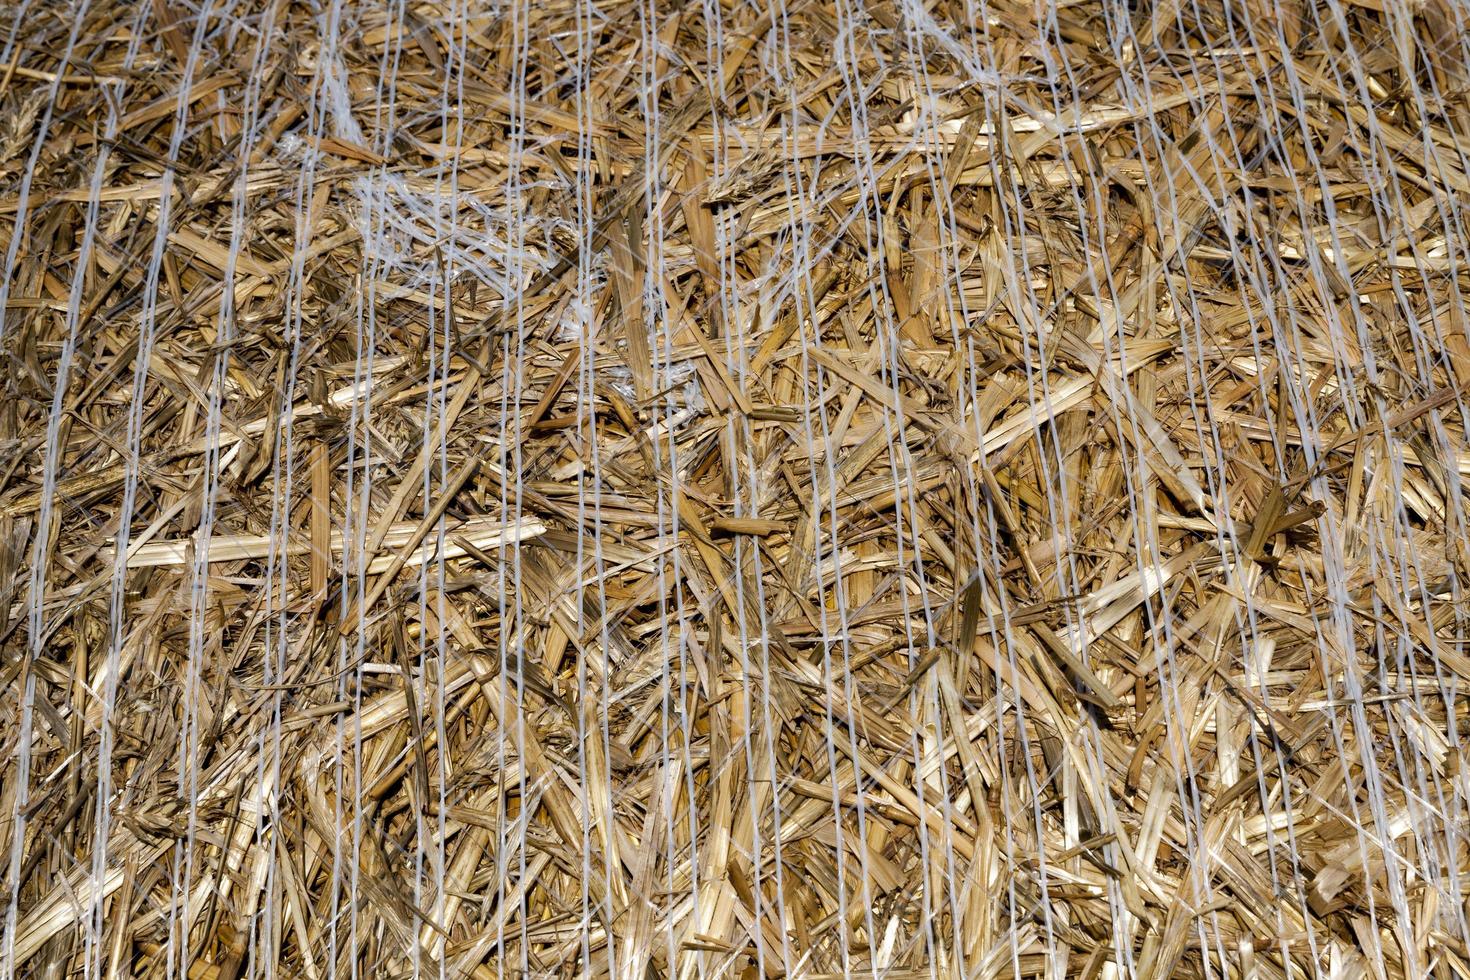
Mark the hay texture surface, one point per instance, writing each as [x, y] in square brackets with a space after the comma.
[589, 488]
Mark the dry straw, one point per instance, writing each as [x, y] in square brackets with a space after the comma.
[916, 488]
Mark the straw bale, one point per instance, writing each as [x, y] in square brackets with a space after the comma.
[869, 488]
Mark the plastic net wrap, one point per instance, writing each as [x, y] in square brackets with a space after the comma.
[926, 488]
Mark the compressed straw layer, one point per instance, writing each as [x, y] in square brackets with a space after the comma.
[618, 488]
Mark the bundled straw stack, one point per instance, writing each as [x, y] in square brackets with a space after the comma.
[590, 488]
